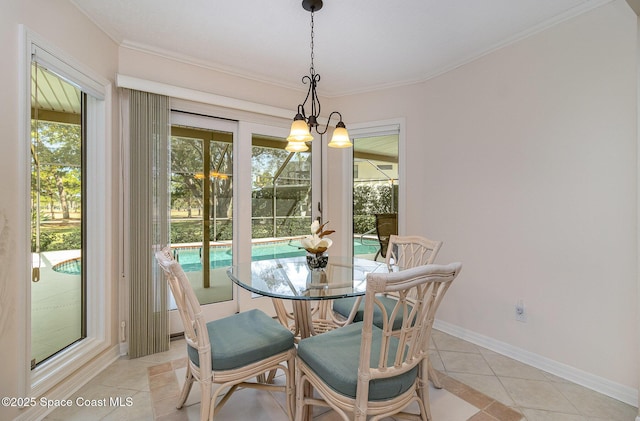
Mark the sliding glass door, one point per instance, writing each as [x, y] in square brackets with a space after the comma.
[236, 196]
[201, 225]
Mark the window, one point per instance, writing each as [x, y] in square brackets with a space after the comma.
[67, 183]
[375, 184]
[58, 289]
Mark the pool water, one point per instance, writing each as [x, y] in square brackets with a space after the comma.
[189, 258]
[221, 256]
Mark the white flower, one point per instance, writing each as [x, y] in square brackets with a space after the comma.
[314, 226]
[316, 243]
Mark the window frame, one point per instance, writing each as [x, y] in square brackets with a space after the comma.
[69, 368]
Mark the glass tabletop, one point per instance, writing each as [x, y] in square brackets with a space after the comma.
[290, 278]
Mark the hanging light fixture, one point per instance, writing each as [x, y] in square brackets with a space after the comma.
[303, 124]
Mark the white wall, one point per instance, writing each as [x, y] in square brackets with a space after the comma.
[69, 31]
[524, 163]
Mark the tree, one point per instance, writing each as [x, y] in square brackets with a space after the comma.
[187, 175]
[369, 199]
[281, 183]
[186, 162]
[57, 160]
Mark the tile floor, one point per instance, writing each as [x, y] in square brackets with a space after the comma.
[479, 385]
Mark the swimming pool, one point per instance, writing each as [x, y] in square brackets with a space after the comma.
[220, 256]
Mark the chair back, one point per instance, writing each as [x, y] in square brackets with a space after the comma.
[195, 326]
[386, 226]
[411, 251]
[401, 350]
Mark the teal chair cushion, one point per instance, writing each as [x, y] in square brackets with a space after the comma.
[244, 338]
[343, 306]
[334, 356]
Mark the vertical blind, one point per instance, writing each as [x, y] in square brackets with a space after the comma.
[148, 129]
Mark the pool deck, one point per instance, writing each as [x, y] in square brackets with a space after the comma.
[55, 305]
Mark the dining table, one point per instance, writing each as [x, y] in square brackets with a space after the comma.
[309, 291]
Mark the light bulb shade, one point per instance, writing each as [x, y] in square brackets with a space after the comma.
[293, 146]
[340, 138]
[299, 131]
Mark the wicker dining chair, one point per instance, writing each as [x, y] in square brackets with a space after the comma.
[366, 370]
[228, 351]
[403, 251]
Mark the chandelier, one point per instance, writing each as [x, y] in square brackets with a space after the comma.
[303, 124]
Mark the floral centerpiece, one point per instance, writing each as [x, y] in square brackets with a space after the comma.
[317, 244]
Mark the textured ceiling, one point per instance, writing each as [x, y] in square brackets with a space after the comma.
[360, 45]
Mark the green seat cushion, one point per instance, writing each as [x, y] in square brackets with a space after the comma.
[343, 306]
[334, 356]
[242, 339]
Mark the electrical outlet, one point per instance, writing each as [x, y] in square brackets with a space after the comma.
[521, 314]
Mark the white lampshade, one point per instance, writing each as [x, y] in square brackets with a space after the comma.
[293, 146]
[340, 138]
[299, 132]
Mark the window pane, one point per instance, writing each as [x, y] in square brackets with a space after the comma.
[375, 189]
[281, 198]
[57, 290]
[201, 209]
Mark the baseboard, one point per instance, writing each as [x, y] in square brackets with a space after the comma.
[71, 384]
[614, 390]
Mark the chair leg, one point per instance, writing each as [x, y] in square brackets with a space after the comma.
[290, 391]
[301, 415]
[423, 393]
[271, 376]
[361, 404]
[186, 389]
[360, 417]
[206, 408]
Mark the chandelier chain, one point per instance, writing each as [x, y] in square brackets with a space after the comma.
[312, 69]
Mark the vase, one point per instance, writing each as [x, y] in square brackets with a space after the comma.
[317, 261]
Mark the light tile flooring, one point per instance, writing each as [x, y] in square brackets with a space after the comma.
[480, 385]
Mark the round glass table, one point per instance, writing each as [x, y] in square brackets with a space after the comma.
[310, 291]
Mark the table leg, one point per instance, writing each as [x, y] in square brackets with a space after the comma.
[305, 321]
[302, 318]
[281, 313]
